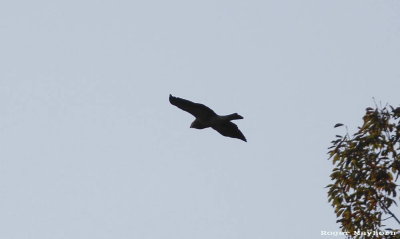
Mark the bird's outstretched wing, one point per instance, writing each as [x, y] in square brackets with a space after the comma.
[199, 111]
[229, 129]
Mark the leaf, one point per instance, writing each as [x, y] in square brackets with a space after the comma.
[396, 111]
[338, 125]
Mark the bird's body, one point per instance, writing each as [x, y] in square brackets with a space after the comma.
[206, 118]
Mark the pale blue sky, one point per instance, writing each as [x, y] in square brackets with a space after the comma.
[91, 148]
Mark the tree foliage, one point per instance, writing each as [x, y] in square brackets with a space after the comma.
[364, 192]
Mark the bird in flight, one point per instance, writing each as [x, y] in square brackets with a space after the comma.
[206, 117]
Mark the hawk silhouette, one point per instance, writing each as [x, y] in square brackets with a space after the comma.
[206, 117]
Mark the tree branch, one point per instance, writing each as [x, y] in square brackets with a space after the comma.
[390, 212]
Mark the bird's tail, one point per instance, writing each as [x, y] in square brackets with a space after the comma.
[234, 116]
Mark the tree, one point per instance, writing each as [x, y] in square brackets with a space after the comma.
[363, 192]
